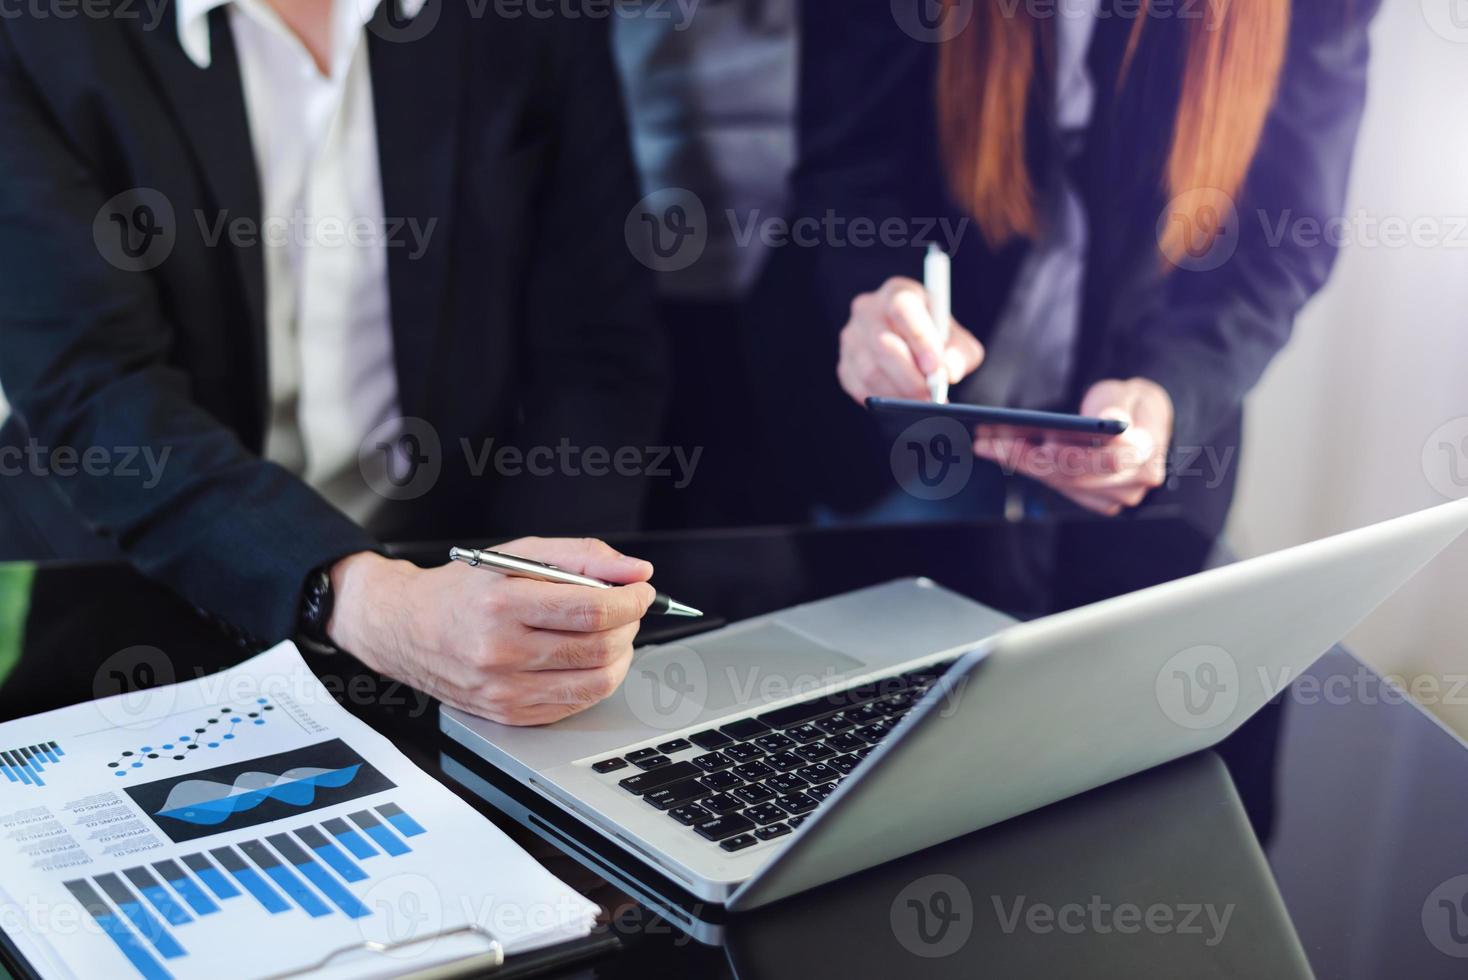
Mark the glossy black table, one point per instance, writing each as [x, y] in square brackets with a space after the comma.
[1328, 834]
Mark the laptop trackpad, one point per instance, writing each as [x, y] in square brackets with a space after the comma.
[708, 676]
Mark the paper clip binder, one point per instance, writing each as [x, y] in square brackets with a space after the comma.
[488, 961]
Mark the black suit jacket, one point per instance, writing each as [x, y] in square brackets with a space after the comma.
[869, 148]
[526, 319]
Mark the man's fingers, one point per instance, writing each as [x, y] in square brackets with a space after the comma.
[580, 687]
[577, 608]
[585, 556]
[566, 650]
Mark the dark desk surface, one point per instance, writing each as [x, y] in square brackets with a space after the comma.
[1355, 797]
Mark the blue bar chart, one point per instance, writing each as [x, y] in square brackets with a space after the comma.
[305, 871]
[26, 764]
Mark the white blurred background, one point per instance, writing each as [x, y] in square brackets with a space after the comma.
[1365, 415]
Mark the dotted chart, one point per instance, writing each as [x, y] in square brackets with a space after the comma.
[211, 731]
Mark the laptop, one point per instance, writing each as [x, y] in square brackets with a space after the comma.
[796, 748]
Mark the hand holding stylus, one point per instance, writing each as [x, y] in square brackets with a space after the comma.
[891, 345]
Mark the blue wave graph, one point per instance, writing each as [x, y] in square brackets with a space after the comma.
[207, 803]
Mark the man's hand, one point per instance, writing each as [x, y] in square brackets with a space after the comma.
[1108, 475]
[517, 651]
[890, 345]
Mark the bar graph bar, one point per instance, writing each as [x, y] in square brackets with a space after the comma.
[350, 838]
[335, 892]
[400, 821]
[211, 876]
[285, 879]
[158, 896]
[250, 880]
[137, 913]
[332, 855]
[381, 836]
[116, 929]
[27, 763]
[184, 885]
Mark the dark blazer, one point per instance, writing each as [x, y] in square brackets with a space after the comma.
[869, 148]
[526, 319]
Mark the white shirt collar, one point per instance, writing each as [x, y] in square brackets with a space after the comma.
[193, 22]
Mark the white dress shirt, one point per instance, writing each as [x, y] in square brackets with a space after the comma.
[328, 332]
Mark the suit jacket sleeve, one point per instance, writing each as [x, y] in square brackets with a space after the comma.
[1215, 330]
[596, 352]
[84, 359]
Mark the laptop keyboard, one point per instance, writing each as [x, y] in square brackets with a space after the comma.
[757, 779]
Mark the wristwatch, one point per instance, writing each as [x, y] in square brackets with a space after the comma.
[316, 603]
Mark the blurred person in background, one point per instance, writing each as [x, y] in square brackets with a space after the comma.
[1107, 177]
[711, 103]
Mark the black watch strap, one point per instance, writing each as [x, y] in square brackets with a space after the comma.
[317, 600]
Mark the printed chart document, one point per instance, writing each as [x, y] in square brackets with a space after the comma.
[245, 825]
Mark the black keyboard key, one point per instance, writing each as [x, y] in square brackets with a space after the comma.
[710, 739]
[786, 782]
[876, 732]
[835, 723]
[797, 821]
[862, 753]
[641, 754]
[785, 761]
[753, 771]
[774, 742]
[796, 802]
[799, 714]
[726, 826]
[676, 794]
[754, 793]
[738, 843]
[712, 761]
[744, 729]
[818, 773]
[866, 714]
[844, 763]
[722, 804]
[815, 752]
[608, 765]
[804, 733]
[772, 830]
[744, 752]
[765, 813]
[688, 815]
[845, 742]
[676, 745]
[819, 793]
[645, 782]
[722, 781]
[652, 762]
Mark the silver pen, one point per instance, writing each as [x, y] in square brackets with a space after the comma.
[513, 565]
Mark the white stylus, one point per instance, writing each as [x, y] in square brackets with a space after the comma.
[938, 281]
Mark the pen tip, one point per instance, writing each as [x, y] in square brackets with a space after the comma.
[676, 608]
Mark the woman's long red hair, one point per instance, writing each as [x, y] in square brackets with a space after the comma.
[1230, 73]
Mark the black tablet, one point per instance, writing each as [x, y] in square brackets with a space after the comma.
[1011, 418]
